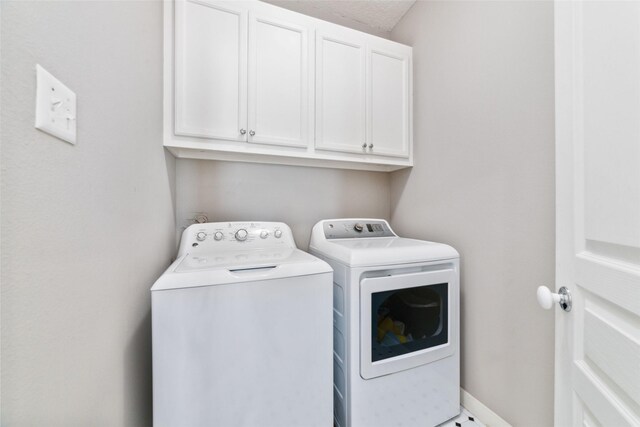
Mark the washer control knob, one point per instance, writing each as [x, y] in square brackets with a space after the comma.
[277, 234]
[201, 236]
[241, 235]
[218, 235]
[264, 234]
[358, 228]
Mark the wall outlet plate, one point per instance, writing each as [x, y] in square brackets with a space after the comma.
[55, 107]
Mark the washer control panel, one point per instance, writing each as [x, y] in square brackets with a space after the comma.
[233, 236]
[356, 228]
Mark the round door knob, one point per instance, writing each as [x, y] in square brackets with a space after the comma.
[264, 234]
[546, 298]
[201, 236]
[364, 145]
[241, 235]
[218, 235]
[252, 132]
[277, 234]
[370, 146]
[358, 228]
[243, 131]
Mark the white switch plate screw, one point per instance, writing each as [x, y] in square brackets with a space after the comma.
[55, 107]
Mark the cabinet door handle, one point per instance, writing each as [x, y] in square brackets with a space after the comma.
[252, 132]
[242, 131]
[364, 145]
[370, 146]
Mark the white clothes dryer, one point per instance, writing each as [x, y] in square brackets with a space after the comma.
[242, 331]
[396, 358]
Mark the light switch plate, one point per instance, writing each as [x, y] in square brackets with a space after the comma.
[55, 106]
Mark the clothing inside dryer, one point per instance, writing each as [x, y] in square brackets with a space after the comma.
[408, 320]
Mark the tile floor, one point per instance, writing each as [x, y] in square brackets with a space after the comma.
[465, 419]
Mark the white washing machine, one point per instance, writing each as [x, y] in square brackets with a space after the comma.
[396, 358]
[242, 331]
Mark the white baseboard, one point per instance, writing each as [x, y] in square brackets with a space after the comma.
[478, 409]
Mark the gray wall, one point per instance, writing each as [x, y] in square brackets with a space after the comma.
[483, 181]
[86, 229]
[298, 196]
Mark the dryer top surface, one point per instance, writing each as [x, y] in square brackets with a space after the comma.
[374, 251]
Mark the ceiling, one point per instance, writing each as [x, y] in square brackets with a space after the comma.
[380, 15]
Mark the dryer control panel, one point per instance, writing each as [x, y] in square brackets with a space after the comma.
[356, 228]
[235, 236]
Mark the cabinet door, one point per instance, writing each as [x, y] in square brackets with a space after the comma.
[340, 91]
[210, 69]
[389, 100]
[278, 79]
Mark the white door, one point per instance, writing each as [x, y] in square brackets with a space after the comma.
[597, 376]
[340, 91]
[389, 99]
[210, 69]
[278, 79]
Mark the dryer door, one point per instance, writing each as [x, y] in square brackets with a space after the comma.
[407, 321]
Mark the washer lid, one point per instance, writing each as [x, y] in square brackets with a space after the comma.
[233, 260]
[382, 251]
[210, 269]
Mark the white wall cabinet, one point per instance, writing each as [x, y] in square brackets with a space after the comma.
[248, 81]
[240, 74]
[340, 91]
[210, 70]
[362, 94]
[278, 81]
[389, 100]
